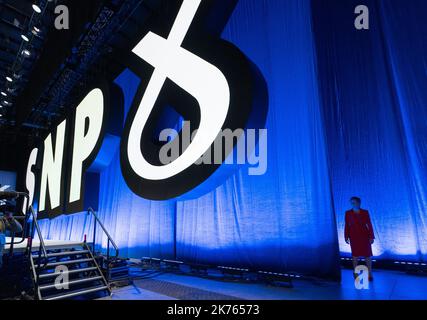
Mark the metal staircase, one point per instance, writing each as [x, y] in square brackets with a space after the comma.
[71, 271]
[68, 273]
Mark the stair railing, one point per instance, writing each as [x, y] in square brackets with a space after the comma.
[42, 245]
[25, 218]
[90, 211]
[42, 253]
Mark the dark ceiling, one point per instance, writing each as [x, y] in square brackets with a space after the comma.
[18, 20]
[47, 84]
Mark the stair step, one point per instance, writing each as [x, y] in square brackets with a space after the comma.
[76, 293]
[62, 254]
[70, 283]
[61, 246]
[62, 263]
[55, 274]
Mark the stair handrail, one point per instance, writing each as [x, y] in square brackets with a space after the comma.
[42, 245]
[24, 226]
[90, 211]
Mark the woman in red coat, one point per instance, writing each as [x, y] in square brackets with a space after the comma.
[359, 234]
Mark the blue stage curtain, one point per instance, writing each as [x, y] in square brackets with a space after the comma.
[140, 228]
[347, 117]
[8, 178]
[7, 181]
[282, 221]
[373, 86]
[405, 30]
[67, 228]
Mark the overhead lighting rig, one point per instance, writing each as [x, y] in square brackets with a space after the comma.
[14, 74]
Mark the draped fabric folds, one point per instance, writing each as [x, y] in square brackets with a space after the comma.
[346, 117]
[406, 39]
[373, 84]
[283, 220]
[263, 221]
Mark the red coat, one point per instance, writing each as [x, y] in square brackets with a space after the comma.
[358, 228]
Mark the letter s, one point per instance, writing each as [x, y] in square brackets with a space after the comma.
[30, 180]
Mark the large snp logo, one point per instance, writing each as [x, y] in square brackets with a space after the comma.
[207, 80]
[184, 66]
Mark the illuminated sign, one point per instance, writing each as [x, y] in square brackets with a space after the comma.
[206, 79]
[185, 65]
[67, 153]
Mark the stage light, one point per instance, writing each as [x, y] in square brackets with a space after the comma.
[26, 53]
[9, 79]
[25, 38]
[36, 8]
[4, 94]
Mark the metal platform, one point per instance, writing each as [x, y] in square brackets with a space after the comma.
[50, 245]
